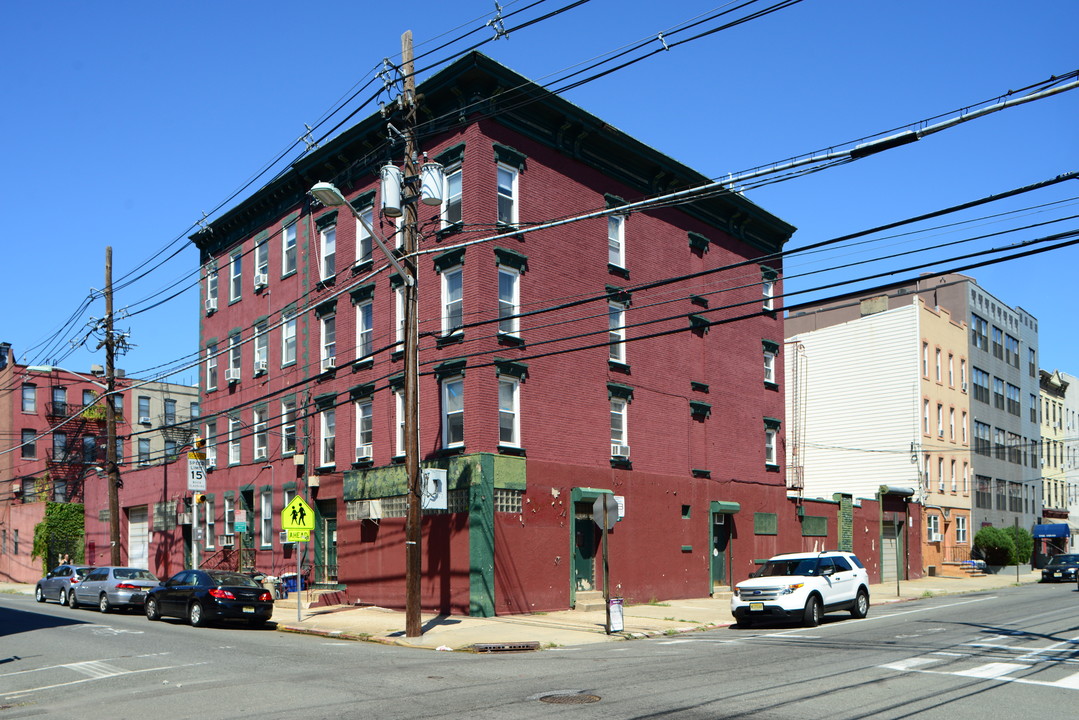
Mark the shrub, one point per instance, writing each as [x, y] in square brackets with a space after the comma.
[1024, 544]
[995, 545]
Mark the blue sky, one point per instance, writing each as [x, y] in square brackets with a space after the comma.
[126, 121]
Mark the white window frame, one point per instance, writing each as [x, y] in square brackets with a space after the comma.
[288, 427]
[228, 516]
[327, 437]
[211, 283]
[951, 370]
[365, 330]
[940, 420]
[210, 443]
[616, 240]
[616, 332]
[451, 198]
[960, 530]
[940, 474]
[509, 411]
[399, 313]
[770, 366]
[211, 367]
[144, 451]
[399, 416]
[771, 450]
[509, 304]
[512, 197]
[288, 340]
[234, 442]
[266, 518]
[327, 337]
[262, 257]
[29, 398]
[262, 346]
[453, 409]
[236, 274]
[365, 434]
[288, 249]
[235, 352]
[938, 365]
[951, 424]
[925, 416]
[619, 421]
[259, 433]
[932, 526]
[768, 293]
[954, 481]
[327, 252]
[208, 526]
[365, 243]
[453, 307]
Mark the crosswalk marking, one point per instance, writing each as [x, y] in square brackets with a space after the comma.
[96, 669]
[992, 670]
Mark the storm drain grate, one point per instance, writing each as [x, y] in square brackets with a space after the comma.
[572, 699]
[506, 647]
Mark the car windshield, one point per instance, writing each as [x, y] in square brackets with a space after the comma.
[133, 574]
[1065, 560]
[233, 579]
[82, 570]
[780, 568]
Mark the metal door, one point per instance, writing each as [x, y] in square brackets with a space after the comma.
[721, 535]
[326, 537]
[247, 537]
[585, 544]
[889, 549]
[138, 537]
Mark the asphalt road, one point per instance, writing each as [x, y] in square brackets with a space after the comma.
[1007, 653]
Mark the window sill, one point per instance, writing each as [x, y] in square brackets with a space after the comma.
[362, 266]
[699, 473]
[771, 385]
[451, 229]
[510, 340]
[619, 367]
[325, 469]
[451, 339]
[363, 464]
[364, 364]
[618, 270]
[511, 450]
[397, 355]
[768, 467]
[451, 451]
[326, 282]
[505, 227]
[622, 463]
[289, 274]
[327, 374]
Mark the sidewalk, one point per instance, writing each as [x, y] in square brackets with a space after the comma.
[567, 627]
[572, 627]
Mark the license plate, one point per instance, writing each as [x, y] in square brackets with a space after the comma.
[756, 607]
[1056, 574]
[249, 608]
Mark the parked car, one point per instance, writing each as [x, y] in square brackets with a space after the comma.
[1061, 568]
[113, 587]
[58, 583]
[202, 596]
[803, 586]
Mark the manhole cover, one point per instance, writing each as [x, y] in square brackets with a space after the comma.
[575, 699]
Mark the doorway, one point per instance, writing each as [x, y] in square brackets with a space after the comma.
[326, 542]
[721, 535]
[138, 537]
[585, 545]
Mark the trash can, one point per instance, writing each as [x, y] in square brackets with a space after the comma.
[289, 581]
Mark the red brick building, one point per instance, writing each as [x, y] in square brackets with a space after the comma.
[552, 370]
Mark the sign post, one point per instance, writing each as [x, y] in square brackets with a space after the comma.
[298, 520]
[605, 514]
[196, 483]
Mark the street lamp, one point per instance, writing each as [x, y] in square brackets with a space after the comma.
[113, 483]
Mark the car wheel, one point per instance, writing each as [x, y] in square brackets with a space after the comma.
[811, 616]
[39, 594]
[73, 600]
[63, 597]
[860, 608]
[743, 623]
[152, 613]
[103, 603]
[195, 615]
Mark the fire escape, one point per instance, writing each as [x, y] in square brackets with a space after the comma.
[78, 446]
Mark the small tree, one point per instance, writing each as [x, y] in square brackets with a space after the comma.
[61, 532]
[1024, 544]
[995, 545]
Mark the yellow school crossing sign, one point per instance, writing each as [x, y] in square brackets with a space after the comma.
[298, 520]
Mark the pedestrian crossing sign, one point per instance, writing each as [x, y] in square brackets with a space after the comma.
[297, 515]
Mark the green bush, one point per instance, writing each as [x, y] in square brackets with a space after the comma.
[995, 545]
[61, 532]
[1024, 544]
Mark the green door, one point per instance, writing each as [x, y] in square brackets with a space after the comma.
[326, 541]
[721, 535]
[247, 537]
[585, 544]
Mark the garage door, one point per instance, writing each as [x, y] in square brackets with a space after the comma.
[138, 537]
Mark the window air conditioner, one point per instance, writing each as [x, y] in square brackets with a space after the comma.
[261, 280]
[935, 537]
[363, 452]
[232, 375]
[226, 540]
[260, 367]
[369, 510]
[144, 420]
[619, 451]
[211, 305]
[329, 363]
[964, 387]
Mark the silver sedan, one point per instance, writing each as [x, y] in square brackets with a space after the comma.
[113, 587]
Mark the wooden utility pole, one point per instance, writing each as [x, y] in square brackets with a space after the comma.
[111, 468]
[413, 534]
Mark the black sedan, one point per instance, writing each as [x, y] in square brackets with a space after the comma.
[1061, 568]
[201, 596]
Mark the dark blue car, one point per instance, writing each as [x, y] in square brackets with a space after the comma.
[1061, 568]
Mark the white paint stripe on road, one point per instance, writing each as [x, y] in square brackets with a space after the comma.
[874, 618]
[16, 694]
[909, 663]
[992, 670]
[96, 669]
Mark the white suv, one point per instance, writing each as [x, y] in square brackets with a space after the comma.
[803, 586]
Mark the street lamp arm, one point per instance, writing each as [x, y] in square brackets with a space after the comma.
[54, 368]
[328, 194]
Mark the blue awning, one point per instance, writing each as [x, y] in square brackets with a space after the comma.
[1055, 530]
